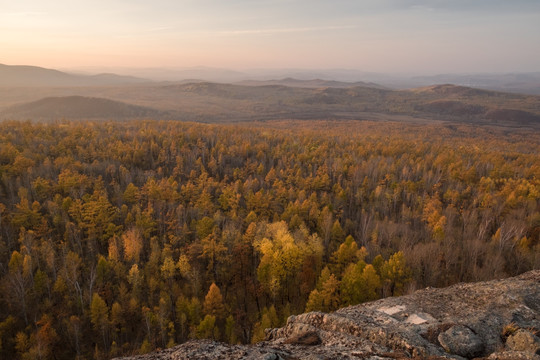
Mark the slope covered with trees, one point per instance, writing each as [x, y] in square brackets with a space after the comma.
[118, 238]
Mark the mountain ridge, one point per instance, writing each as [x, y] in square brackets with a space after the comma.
[35, 76]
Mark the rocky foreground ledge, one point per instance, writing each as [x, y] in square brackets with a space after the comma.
[497, 320]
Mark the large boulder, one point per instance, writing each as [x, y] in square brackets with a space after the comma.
[462, 341]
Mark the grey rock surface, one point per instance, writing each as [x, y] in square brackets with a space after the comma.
[419, 326]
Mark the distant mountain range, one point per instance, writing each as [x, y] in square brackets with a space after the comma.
[526, 82]
[28, 92]
[32, 76]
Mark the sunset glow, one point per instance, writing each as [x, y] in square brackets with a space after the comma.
[396, 36]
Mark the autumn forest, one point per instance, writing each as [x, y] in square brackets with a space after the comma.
[117, 238]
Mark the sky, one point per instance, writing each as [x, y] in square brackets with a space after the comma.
[394, 36]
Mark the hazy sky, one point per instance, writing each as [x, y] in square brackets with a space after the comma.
[420, 36]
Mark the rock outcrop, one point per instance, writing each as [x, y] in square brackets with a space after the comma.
[497, 319]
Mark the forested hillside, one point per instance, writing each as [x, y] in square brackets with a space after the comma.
[122, 237]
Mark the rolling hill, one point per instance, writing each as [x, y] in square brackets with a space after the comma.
[526, 83]
[78, 107]
[315, 83]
